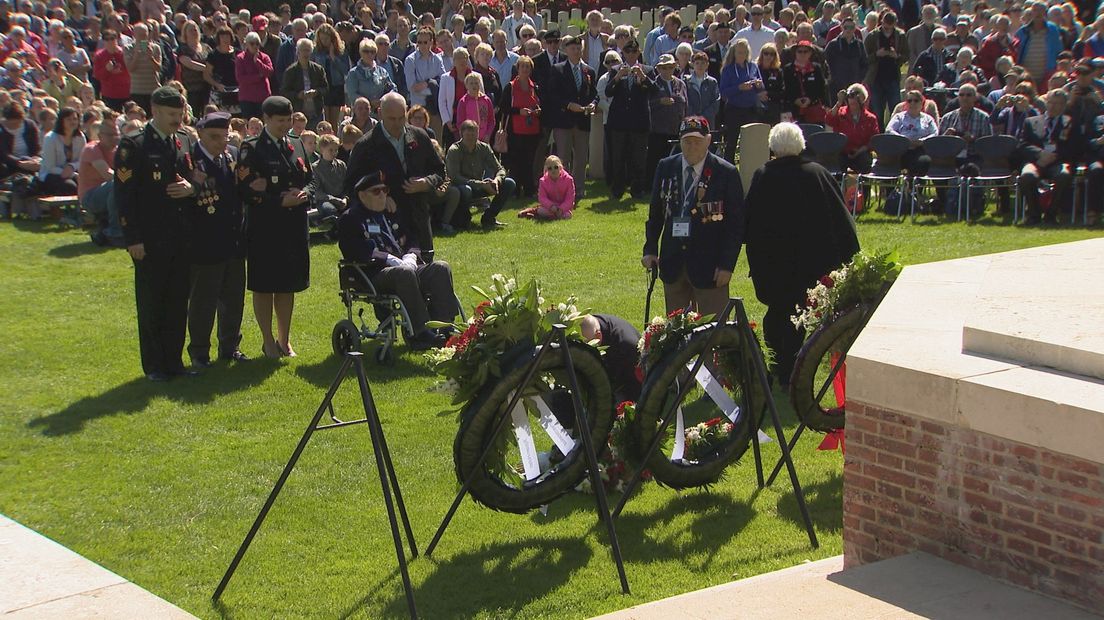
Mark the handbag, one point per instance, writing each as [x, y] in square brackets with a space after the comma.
[500, 144]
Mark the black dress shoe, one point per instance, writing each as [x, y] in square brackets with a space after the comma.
[236, 356]
[425, 341]
[158, 377]
[493, 224]
[201, 363]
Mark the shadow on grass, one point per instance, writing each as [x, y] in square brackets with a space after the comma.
[608, 205]
[135, 395]
[76, 250]
[44, 225]
[824, 500]
[650, 536]
[495, 578]
[400, 368]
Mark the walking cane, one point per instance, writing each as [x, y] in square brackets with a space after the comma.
[653, 273]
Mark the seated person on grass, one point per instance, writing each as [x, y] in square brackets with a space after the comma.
[472, 167]
[366, 234]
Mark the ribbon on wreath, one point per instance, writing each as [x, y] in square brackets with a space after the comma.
[834, 440]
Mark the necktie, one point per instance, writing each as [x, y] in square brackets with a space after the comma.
[578, 78]
[688, 186]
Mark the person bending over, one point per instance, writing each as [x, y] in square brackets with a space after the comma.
[366, 234]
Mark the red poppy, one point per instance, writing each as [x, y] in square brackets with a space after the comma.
[713, 422]
[827, 281]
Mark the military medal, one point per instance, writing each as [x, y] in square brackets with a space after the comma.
[211, 210]
[156, 175]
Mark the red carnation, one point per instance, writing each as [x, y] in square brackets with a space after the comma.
[713, 422]
[827, 281]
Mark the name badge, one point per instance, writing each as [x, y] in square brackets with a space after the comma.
[374, 229]
[680, 227]
[275, 179]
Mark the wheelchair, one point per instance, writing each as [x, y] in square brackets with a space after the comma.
[358, 292]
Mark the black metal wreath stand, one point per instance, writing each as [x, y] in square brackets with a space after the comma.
[557, 337]
[735, 305]
[389, 482]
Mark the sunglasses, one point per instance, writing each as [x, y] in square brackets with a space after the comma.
[769, 54]
[804, 51]
[913, 100]
[379, 191]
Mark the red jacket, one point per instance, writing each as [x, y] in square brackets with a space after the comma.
[993, 48]
[858, 134]
[113, 84]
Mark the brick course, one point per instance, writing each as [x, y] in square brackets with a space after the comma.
[1020, 513]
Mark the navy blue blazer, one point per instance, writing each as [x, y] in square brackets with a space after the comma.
[714, 243]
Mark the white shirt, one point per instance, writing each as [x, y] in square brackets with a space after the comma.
[756, 38]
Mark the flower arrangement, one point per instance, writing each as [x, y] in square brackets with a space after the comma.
[665, 334]
[704, 438]
[615, 460]
[510, 315]
[859, 281]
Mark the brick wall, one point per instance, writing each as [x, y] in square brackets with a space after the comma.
[1022, 514]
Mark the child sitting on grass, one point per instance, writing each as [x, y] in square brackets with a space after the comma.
[555, 194]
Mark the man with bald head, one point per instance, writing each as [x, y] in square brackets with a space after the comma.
[411, 167]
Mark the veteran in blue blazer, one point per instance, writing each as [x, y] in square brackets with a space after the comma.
[695, 224]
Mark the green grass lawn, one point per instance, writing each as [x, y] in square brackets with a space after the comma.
[159, 482]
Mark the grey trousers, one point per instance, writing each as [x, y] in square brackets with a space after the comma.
[573, 148]
[426, 292]
[216, 289]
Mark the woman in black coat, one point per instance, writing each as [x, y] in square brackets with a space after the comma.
[805, 86]
[798, 229]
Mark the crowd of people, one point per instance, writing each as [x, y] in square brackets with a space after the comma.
[270, 122]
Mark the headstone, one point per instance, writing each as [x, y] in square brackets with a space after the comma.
[634, 16]
[606, 12]
[647, 22]
[576, 14]
[572, 30]
[562, 19]
[597, 147]
[753, 150]
[688, 15]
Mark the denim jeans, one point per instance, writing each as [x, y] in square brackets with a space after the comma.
[100, 202]
[470, 192]
[884, 95]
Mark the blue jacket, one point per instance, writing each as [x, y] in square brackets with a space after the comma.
[364, 82]
[1053, 43]
[732, 76]
[703, 101]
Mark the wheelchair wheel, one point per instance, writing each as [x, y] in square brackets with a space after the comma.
[345, 337]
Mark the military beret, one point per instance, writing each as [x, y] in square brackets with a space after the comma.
[167, 96]
[277, 106]
[214, 120]
[552, 35]
[370, 180]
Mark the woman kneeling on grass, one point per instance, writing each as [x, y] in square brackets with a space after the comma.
[556, 193]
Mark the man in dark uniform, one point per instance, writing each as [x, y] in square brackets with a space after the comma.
[698, 210]
[217, 249]
[1050, 147]
[717, 51]
[154, 197]
[412, 167]
[367, 235]
[550, 57]
[272, 175]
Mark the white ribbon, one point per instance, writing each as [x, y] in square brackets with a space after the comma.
[530, 460]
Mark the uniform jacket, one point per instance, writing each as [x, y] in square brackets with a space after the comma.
[542, 67]
[562, 91]
[628, 102]
[713, 244]
[282, 168]
[217, 221]
[144, 166]
[369, 237]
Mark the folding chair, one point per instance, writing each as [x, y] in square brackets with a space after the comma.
[944, 173]
[809, 129]
[826, 148]
[996, 167]
[886, 170]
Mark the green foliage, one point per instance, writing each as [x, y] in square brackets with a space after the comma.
[859, 282]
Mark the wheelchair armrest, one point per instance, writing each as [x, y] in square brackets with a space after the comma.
[354, 275]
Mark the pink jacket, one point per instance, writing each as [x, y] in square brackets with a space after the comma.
[252, 74]
[559, 193]
[479, 109]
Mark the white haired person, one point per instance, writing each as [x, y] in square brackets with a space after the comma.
[798, 230]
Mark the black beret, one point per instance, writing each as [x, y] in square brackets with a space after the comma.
[168, 97]
[370, 180]
[214, 120]
[552, 35]
[277, 106]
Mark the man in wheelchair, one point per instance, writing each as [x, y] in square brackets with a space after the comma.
[368, 235]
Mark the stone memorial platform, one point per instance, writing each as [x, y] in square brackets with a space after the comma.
[975, 420]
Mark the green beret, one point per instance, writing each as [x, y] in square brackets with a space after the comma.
[168, 97]
[277, 106]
